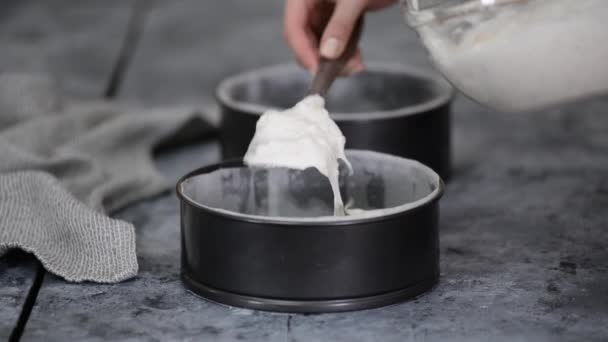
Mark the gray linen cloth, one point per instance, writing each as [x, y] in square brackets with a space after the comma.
[65, 164]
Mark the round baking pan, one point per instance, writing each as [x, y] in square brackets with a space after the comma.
[265, 238]
[387, 108]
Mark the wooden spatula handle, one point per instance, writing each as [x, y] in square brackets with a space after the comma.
[330, 69]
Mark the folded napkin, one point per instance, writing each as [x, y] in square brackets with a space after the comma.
[65, 164]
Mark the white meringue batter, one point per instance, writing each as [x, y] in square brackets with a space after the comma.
[298, 138]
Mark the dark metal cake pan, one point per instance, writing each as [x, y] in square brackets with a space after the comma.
[388, 108]
[264, 239]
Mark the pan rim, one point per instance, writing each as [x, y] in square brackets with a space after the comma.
[443, 92]
[404, 209]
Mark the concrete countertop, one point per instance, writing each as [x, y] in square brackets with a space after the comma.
[524, 238]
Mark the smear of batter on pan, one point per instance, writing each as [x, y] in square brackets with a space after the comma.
[298, 138]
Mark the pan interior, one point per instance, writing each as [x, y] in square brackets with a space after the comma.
[381, 184]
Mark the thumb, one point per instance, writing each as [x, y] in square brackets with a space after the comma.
[340, 27]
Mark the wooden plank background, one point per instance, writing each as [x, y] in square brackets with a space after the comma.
[524, 206]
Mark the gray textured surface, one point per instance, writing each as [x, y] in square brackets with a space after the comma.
[17, 272]
[523, 230]
[79, 41]
[523, 251]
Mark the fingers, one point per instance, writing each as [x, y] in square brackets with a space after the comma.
[305, 20]
[354, 65]
[298, 33]
[379, 4]
[340, 27]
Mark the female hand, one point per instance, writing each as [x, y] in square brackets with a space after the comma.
[315, 28]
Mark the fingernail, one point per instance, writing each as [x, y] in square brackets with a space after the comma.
[331, 48]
